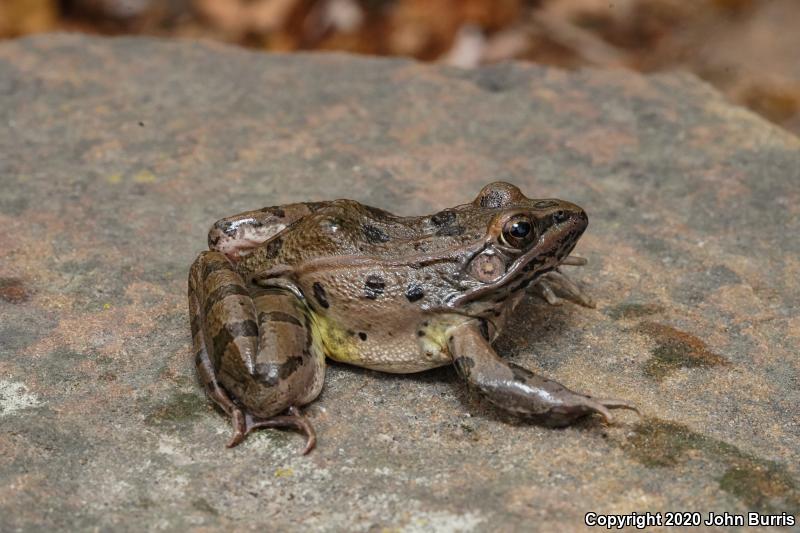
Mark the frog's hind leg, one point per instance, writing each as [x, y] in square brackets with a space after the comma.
[517, 390]
[252, 349]
[203, 365]
[287, 363]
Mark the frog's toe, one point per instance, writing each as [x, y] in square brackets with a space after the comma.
[579, 405]
[244, 423]
[603, 407]
[239, 422]
[613, 403]
[575, 260]
[591, 405]
[555, 287]
[305, 427]
[548, 294]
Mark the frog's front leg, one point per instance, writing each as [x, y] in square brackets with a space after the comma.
[554, 285]
[252, 348]
[518, 390]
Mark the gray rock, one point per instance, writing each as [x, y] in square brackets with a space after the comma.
[117, 154]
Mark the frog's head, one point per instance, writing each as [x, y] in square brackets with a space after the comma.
[524, 238]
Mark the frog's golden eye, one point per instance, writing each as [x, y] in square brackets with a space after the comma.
[518, 231]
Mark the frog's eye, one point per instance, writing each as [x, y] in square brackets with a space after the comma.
[518, 231]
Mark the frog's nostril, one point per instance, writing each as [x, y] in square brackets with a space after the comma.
[560, 216]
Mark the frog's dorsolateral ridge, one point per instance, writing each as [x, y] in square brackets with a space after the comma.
[281, 288]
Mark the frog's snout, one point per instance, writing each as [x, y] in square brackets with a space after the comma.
[564, 225]
[567, 219]
[575, 223]
[580, 219]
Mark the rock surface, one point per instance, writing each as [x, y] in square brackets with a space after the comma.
[118, 154]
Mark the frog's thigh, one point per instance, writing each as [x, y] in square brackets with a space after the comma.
[516, 389]
[286, 356]
[252, 353]
[202, 279]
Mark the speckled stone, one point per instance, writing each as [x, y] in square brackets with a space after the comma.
[117, 154]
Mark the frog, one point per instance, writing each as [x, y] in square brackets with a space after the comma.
[283, 288]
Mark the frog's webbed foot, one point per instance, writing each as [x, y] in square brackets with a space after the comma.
[244, 423]
[520, 391]
[555, 286]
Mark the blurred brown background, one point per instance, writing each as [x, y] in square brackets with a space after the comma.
[749, 49]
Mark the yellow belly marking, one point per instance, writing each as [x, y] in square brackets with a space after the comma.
[333, 340]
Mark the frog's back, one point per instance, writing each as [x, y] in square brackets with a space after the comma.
[348, 228]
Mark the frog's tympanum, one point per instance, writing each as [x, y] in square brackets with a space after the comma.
[284, 287]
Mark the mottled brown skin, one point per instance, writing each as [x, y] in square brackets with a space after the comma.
[284, 287]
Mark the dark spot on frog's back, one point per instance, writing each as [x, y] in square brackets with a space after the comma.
[273, 248]
[450, 231]
[444, 218]
[374, 234]
[414, 293]
[373, 286]
[319, 295]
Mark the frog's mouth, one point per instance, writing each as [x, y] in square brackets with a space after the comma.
[552, 248]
